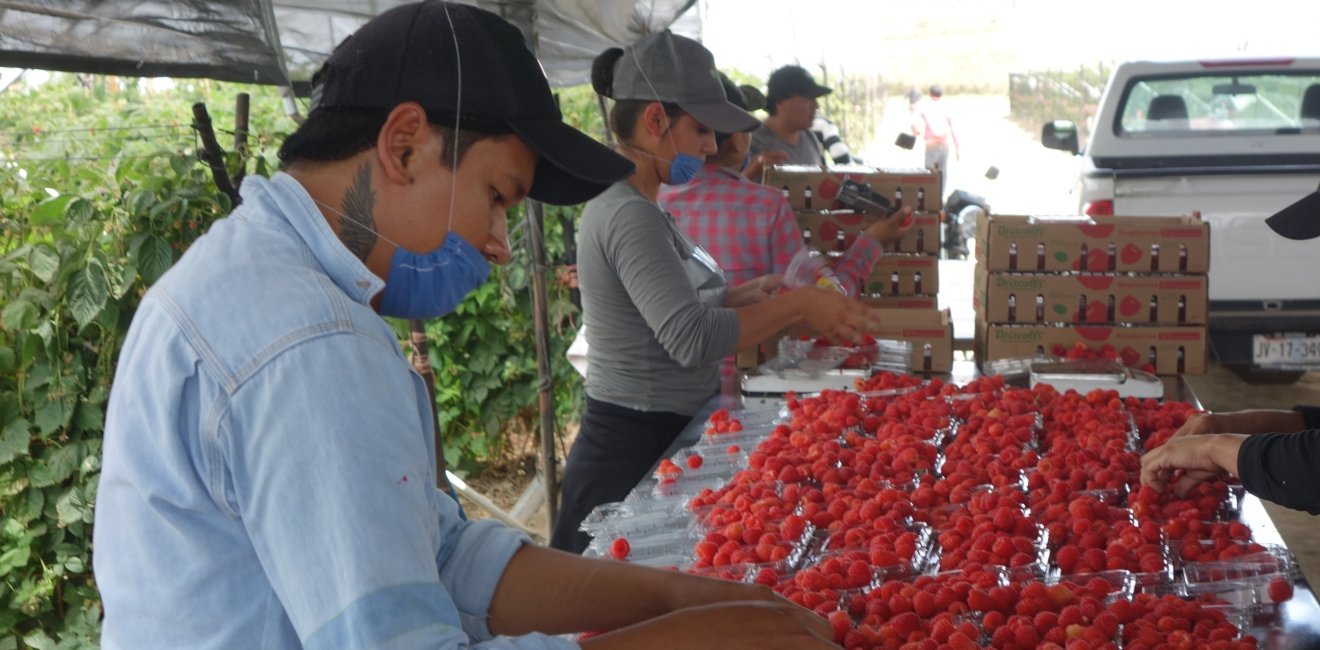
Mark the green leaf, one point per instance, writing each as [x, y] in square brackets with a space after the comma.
[89, 417]
[38, 640]
[57, 466]
[72, 507]
[32, 345]
[8, 360]
[44, 262]
[80, 211]
[14, 440]
[53, 412]
[15, 558]
[153, 257]
[50, 211]
[88, 290]
[19, 315]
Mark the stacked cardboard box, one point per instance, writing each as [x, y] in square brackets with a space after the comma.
[1135, 284]
[904, 282]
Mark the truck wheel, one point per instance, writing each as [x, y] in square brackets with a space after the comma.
[1257, 375]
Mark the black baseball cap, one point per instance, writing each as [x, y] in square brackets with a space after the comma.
[1301, 220]
[666, 67]
[792, 81]
[408, 54]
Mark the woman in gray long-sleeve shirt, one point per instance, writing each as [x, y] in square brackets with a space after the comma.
[659, 316]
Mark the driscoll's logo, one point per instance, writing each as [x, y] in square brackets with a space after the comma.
[1021, 231]
[1019, 284]
[1017, 335]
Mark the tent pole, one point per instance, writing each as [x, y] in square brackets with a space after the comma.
[212, 153]
[545, 384]
[242, 106]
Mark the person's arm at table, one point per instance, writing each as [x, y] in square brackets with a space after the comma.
[1247, 422]
[554, 592]
[1279, 467]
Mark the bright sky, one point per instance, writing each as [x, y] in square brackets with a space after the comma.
[986, 39]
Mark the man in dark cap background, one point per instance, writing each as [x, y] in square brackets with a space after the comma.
[268, 471]
[791, 101]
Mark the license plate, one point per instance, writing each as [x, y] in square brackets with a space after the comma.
[1286, 350]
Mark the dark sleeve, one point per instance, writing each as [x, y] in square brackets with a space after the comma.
[1310, 414]
[1283, 468]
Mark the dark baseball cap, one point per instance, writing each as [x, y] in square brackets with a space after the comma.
[1301, 220]
[666, 67]
[792, 81]
[408, 54]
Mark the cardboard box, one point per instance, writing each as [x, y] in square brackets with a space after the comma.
[929, 330]
[1103, 244]
[902, 302]
[919, 188]
[1110, 298]
[1175, 349]
[922, 238]
[904, 275]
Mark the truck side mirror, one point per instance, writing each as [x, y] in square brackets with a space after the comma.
[1060, 134]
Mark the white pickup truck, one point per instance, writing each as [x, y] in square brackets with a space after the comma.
[1236, 140]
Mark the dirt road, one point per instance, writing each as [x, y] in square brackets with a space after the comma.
[1032, 179]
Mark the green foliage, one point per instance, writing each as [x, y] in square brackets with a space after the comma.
[102, 193]
[1040, 96]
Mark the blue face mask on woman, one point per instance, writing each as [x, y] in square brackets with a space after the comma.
[683, 168]
[431, 285]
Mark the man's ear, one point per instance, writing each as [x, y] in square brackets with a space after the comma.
[400, 138]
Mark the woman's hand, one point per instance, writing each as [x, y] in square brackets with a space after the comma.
[1184, 462]
[1199, 424]
[754, 291]
[838, 316]
[891, 228]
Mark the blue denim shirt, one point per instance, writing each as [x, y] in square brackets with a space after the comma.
[268, 478]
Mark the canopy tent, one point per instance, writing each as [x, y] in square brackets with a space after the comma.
[282, 41]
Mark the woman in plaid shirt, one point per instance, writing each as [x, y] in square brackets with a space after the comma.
[749, 228]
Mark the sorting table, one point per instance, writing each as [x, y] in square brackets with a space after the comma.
[1296, 626]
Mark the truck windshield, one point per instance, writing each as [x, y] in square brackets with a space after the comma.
[1227, 103]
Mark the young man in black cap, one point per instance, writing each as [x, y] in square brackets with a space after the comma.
[1275, 453]
[791, 102]
[268, 478]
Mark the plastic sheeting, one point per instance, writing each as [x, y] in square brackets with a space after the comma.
[277, 41]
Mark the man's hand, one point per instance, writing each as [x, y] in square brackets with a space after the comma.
[724, 626]
[892, 228]
[1184, 462]
[756, 167]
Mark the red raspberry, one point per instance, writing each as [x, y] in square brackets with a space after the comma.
[620, 548]
[1280, 590]
[694, 461]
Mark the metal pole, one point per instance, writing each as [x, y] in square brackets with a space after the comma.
[421, 360]
[241, 112]
[212, 153]
[545, 384]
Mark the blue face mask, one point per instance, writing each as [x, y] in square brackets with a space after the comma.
[431, 285]
[683, 168]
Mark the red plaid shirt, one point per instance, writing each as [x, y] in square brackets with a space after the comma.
[750, 229]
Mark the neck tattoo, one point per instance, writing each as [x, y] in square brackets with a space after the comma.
[357, 227]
